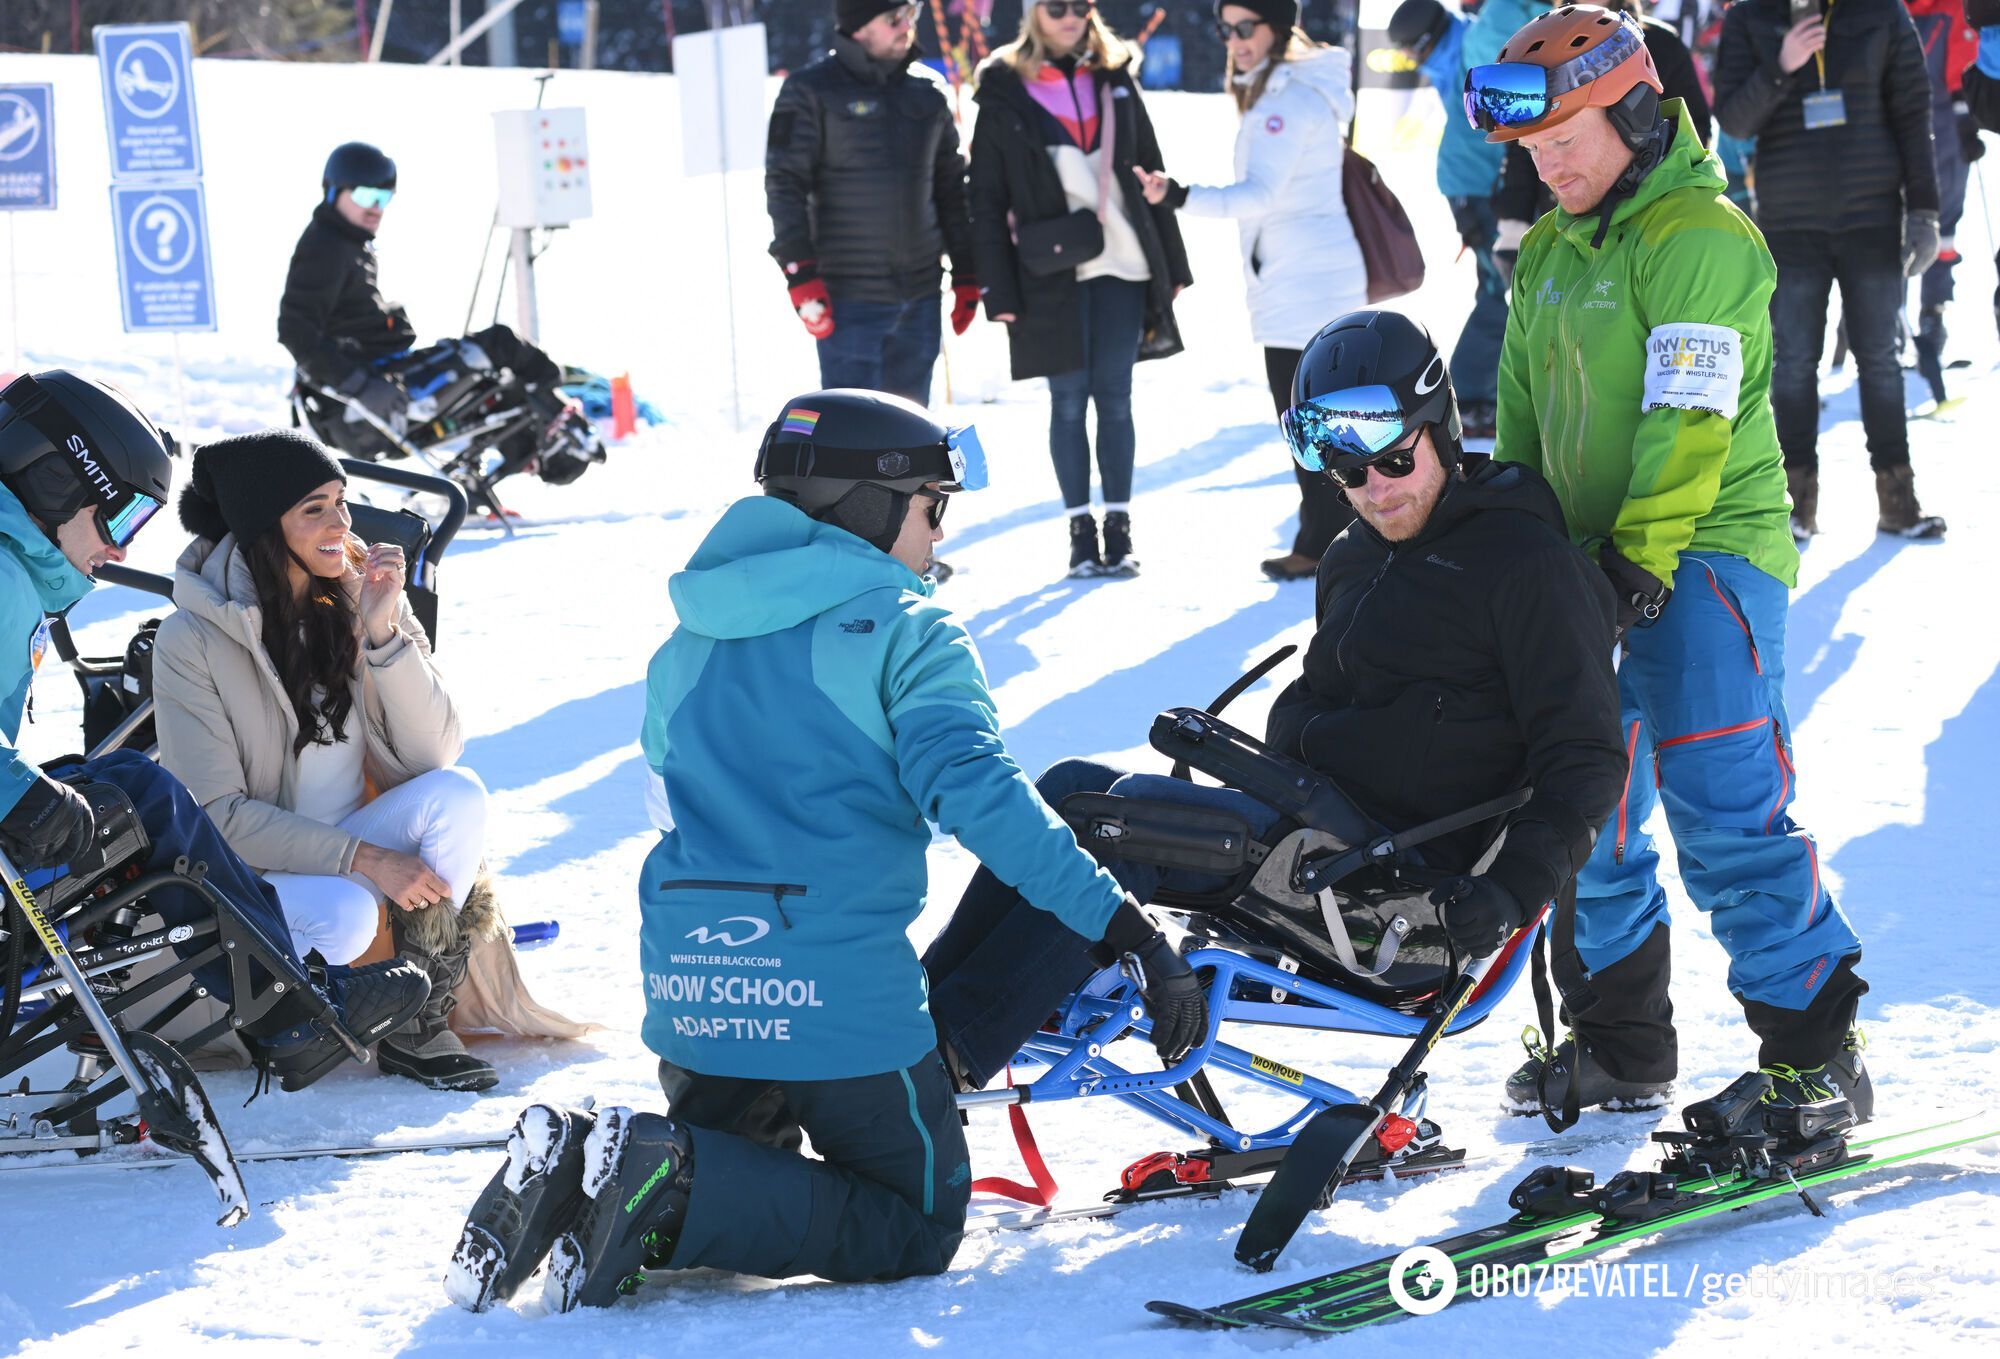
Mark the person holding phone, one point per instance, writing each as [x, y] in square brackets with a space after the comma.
[1847, 194]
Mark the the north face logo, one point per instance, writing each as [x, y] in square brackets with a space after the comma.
[859, 625]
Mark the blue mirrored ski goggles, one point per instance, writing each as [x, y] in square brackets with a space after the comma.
[1514, 94]
[968, 459]
[1354, 423]
[371, 198]
[122, 525]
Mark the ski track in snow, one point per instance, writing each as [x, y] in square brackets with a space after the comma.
[1892, 689]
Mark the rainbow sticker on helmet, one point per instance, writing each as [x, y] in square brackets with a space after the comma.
[799, 420]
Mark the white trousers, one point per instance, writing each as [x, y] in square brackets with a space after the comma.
[440, 817]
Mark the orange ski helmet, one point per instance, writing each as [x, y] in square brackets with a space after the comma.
[1561, 63]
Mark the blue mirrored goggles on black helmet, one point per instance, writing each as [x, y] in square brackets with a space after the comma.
[1353, 424]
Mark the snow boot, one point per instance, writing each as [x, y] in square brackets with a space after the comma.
[1896, 495]
[637, 1171]
[1291, 566]
[527, 1203]
[436, 939]
[1118, 558]
[1596, 1087]
[1084, 559]
[1803, 483]
[372, 1000]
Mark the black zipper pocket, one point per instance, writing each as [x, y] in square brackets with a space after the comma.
[777, 891]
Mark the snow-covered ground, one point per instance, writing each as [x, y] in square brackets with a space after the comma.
[1893, 691]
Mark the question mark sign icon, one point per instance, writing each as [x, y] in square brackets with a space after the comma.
[167, 224]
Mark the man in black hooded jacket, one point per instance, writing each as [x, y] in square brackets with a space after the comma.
[345, 336]
[1462, 651]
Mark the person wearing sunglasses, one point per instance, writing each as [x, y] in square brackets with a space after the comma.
[865, 185]
[809, 719]
[1637, 377]
[1301, 263]
[345, 337]
[1077, 265]
[1462, 650]
[82, 470]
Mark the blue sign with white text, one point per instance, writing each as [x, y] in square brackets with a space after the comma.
[147, 71]
[164, 278]
[27, 147]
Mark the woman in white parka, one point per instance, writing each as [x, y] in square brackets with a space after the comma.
[1301, 262]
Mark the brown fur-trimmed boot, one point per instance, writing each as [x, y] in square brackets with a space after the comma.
[438, 939]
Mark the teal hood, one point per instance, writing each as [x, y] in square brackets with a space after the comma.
[35, 579]
[767, 566]
[56, 583]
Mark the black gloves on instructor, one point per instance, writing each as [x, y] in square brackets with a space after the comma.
[1166, 983]
[50, 826]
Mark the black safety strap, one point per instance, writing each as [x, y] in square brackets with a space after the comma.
[1391, 845]
[1557, 933]
[1235, 691]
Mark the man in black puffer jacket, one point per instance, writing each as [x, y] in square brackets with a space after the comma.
[866, 189]
[1847, 192]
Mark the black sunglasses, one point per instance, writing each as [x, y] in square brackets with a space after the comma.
[1242, 28]
[1396, 464]
[934, 511]
[1060, 9]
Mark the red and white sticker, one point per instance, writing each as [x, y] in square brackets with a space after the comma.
[1274, 124]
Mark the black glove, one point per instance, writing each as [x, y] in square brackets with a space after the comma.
[1479, 914]
[380, 397]
[50, 825]
[1166, 983]
[1970, 145]
[1641, 595]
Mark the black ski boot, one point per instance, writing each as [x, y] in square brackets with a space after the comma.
[1843, 1076]
[517, 1217]
[637, 1170]
[1118, 558]
[372, 1000]
[1084, 560]
[1596, 1089]
[568, 445]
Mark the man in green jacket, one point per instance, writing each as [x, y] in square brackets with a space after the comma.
[1635, 376]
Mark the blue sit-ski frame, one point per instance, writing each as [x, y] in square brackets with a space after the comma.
[1107, 1008]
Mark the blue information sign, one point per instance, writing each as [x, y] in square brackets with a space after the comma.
[27, 147]
[569, 23]
[149, 100]
[164, 278]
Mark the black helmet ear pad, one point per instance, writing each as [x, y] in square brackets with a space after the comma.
[870, 512]
[1636, 114]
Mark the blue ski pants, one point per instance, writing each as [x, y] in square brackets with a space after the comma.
[1702, 692]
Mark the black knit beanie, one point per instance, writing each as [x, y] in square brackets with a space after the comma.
[244, 484]
[1281, 15]
[849, 15]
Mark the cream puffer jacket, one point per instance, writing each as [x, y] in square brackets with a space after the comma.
[226, 727]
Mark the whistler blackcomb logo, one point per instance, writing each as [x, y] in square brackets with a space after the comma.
[93, 474]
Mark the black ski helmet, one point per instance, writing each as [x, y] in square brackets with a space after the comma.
[68, 441]
[853, 458]
[1417, 25]
[356, 165]
[1390, 363]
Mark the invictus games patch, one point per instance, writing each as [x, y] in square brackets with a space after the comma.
[1693, 367]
